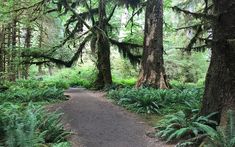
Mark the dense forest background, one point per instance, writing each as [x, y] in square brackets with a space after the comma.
[173, 59]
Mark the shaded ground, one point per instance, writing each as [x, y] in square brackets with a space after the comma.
[98, 123]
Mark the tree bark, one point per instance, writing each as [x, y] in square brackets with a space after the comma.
[8, 49]
[152, 73]
[2, 45]
[104, 77]
[40, 41]
[219, 93]
[12, 74]
[28, 36]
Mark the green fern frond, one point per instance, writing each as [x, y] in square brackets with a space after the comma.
[205, 128]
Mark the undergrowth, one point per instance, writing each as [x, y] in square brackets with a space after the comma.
[66, 78]
[148, 100]
[31, 91]
[29, 125]
[23, 120]
[181, 125]
[84, 77]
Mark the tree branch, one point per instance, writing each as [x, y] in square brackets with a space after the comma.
[111, 14]
[65, 63]
[196, 15]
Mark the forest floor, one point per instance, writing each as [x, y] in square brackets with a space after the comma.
[96, 122]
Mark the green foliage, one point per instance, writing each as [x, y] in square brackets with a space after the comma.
[28, 126]
[138, 100]
[35, 91]
[83, 77]
[130, 82]
[186, 68]
[148, 100]
[223, 137]
[183, 126]
[62, 144]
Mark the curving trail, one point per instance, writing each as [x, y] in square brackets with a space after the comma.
[99, 123]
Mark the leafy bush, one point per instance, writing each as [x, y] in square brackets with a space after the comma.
[31, 90]
[60, 84]
[143, 100]
[28, 84]
[17, 94]
[130, 82]
[65, 78]
[148, 100]
[179, 66]
[29, 126]
[181, 126]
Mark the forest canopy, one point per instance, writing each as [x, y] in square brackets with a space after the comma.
[148, 55]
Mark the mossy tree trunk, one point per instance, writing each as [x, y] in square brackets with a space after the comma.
[220, 81]
[104, 77]
[152, 73]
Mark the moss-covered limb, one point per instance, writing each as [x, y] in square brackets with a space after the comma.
[126, 49]
[59, 61]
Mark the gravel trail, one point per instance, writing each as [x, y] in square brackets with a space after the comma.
[97, 122]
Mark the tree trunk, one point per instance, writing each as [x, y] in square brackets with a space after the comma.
[40, 70]
[12, 75]
[219, 93]
[28, 36]
[40, 41]
[8, 49]
[152, 73]
[104, 77]
[19, 65]
[2, 45]
[50, 70]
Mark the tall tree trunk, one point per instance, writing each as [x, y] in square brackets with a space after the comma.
[28, 36]
[152, 73]
[40, 70]
[2, 45]
[40, 41]
[12, 76]
[104, 77]
[8, 51]
[50, 70]
[18, 54]
[219, 93]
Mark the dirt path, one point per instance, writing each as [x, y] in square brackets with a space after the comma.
[99, 123]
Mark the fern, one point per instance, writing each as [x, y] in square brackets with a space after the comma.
[178, 126]
[29, 126]
[223, 137]
[157, 101]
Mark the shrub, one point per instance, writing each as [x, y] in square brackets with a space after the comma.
[29, 126]
[142, 101]
[130, 82]
[182, 126]
[65, 78]
[60, 84]
[34, 95]
[149, 100]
